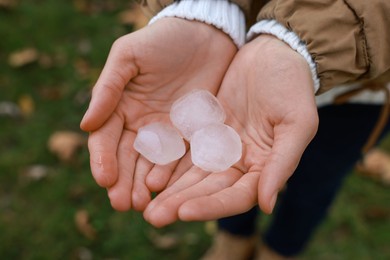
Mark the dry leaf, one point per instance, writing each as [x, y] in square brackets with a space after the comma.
[211, 227]
[375, 213]
[83, 224]
[35, 172]
[27, 105]
[64, 144]
[10, 109]
[134, 16]
[23, 57]
[376, 165]
[8, 4]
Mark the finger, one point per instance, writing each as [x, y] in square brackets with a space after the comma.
[161, 176]
[117, 72]
[286, 152]
[191, 177]
[103, 145]
[141, 195]
[158, 177]
[120, 192]
[230, 201]
[166, 212]
[184, 165]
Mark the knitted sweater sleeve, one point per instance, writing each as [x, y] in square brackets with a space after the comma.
[222, 14]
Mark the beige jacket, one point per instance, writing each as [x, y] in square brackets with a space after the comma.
[349, 40]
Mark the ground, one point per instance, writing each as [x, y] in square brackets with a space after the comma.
[51, 53]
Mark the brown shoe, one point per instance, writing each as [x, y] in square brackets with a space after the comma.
[376, 165]
[231, 247]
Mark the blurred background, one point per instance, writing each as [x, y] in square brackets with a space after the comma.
[51, 53]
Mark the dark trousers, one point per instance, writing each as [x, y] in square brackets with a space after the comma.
[343, 130]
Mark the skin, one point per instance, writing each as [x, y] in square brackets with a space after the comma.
[268, 96]
[266, 90]
[145, 72]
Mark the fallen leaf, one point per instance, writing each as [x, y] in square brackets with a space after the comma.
[27, 105]
[23, 57]
[8, 4]
[83, 224]
[211, 227]
[10, 109]
[376, 213]
[64, 144]
[35, 173]
[376, 165]
[134, 16]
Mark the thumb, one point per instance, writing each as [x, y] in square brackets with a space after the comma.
[119, 69]
[286, 152]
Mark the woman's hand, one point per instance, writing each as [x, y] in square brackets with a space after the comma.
[268, 97]
[146, 71]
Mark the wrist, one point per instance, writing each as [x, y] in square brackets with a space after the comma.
[280, 64]
[272, 27]
[221, 14]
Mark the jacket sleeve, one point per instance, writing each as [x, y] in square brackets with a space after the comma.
[349, 40]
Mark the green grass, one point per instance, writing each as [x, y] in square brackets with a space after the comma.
[358, 226]
[37, 216]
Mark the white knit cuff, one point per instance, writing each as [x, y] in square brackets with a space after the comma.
[222, 14]
[289, 37]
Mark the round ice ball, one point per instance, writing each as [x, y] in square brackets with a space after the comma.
[215, 147]
[196, 110]
[159, 143]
